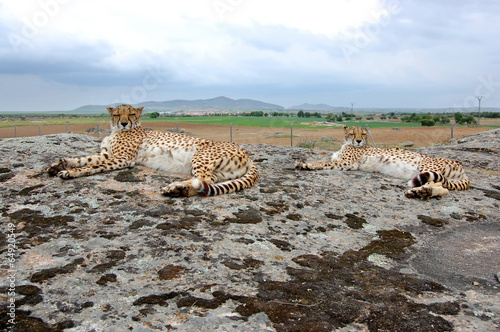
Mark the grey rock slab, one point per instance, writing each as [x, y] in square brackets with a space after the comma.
[300, 250]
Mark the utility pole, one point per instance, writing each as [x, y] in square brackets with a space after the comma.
[479, 109]
[352, 106]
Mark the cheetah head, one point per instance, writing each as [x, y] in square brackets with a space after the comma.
[355, 136]
[125, 117]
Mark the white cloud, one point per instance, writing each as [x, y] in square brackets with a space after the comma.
[226, 45]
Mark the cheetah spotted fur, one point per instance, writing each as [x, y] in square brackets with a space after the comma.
[217, 167]
[429, 177]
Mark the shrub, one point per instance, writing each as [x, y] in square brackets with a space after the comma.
[427, 122]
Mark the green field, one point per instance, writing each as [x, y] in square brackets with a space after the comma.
[35, 121]
[278, 122]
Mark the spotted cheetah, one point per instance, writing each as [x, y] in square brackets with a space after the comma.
[217, 167]
[429, 177]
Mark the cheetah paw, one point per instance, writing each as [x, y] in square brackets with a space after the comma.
[304, 166]
[427, 191]
[56, 168]
[418, 192]
[178, 189]
[65, 175]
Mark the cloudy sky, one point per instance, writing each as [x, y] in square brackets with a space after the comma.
[61, 54]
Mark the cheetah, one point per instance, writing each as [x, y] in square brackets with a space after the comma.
[429, 177]
[217, 167]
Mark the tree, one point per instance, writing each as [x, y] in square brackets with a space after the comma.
[330, 117]
[154, 115]
[470, 120]
[445, 119]
[300, 114]
[427, 122]
[415, 118]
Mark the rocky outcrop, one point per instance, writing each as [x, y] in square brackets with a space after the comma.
[300, 251]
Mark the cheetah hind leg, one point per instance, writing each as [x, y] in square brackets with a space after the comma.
[183, 188]
[430, 189]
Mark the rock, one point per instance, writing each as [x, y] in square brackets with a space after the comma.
[330, 139]
[407, 144]
[95, 130]
[325, 250]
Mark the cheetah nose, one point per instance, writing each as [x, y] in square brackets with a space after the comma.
[124, 124]
[358, 140]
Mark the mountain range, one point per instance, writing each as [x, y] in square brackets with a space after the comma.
[319, 107]
[242, 105]
[213, 104]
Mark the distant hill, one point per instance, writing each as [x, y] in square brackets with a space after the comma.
[318, 107]
[213, 104]
[228, 104]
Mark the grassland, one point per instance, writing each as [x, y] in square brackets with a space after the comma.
[276, 122]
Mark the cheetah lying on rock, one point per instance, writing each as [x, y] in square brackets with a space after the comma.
[217, 167]
[429, 177]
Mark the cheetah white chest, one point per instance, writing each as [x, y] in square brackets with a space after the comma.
[389, 166]
[169, 159]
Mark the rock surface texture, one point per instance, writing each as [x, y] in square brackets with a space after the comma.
[300, 251]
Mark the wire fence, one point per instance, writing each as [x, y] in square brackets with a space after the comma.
[328, 138]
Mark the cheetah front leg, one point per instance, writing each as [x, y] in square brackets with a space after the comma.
[69, 163]
[99, 167]
[312, 166]
[428, 190]
[343, 165]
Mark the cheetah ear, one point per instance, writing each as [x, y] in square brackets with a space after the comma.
[140, 109]
[110, 109]
[345, 127]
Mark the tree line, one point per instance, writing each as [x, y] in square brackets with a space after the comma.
[430, 120]
[424, 119]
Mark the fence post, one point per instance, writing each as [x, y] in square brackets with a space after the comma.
[15, 131]
[66, 127]
[291, 135]
[231, 132]
[98, 131]
[177, 127]
[368, 130]
[452, 130]
[39, 130]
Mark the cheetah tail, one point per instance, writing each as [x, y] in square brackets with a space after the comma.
[226, 187]
[425, 177]
[463, 184]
